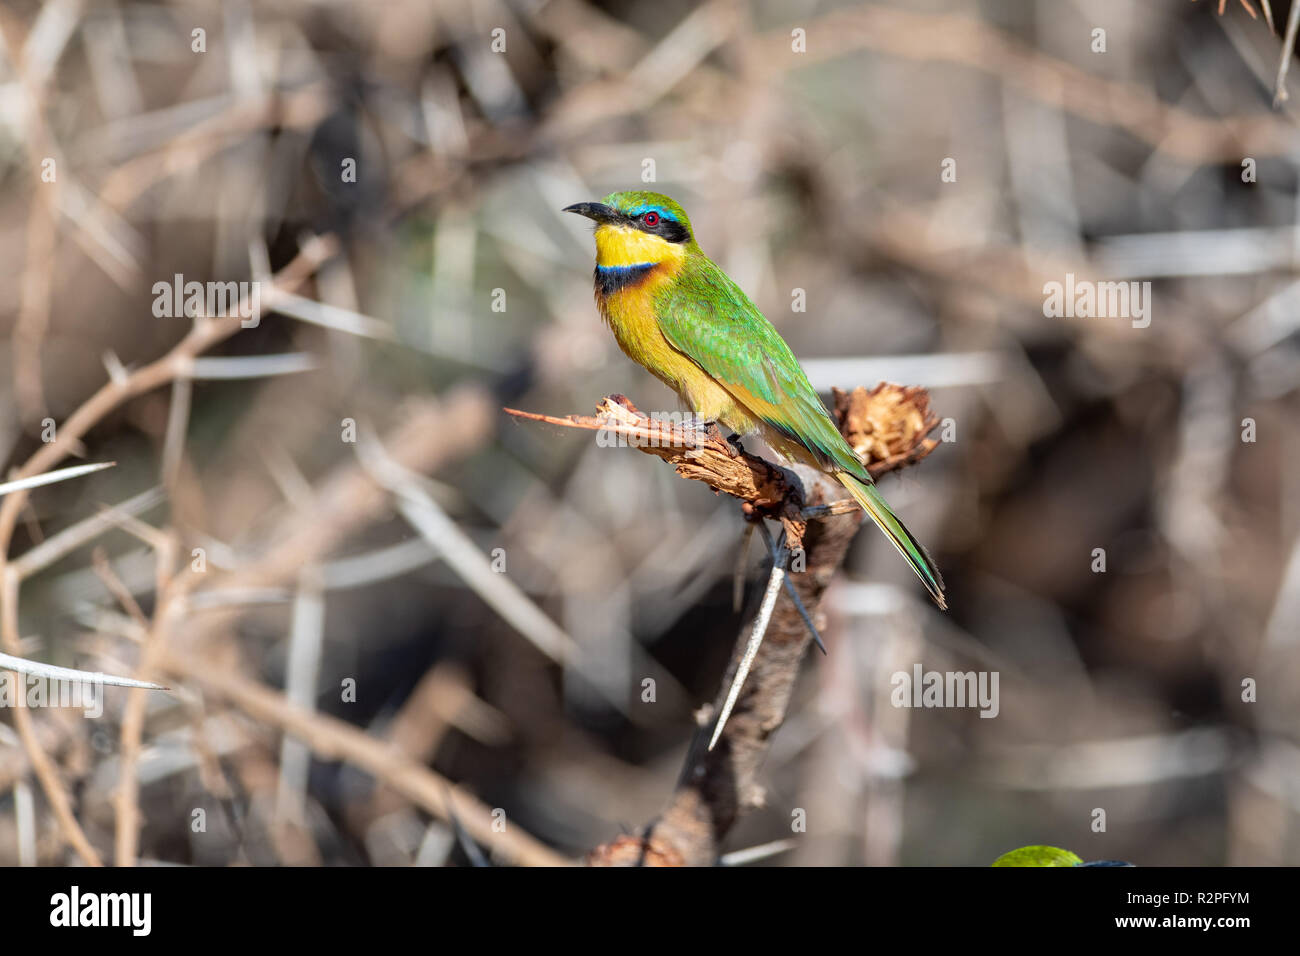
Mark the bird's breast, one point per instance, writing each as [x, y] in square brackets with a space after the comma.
[626, 296]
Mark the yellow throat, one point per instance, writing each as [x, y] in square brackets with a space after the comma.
[625, 246]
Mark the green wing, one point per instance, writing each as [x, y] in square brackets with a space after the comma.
[708, 318]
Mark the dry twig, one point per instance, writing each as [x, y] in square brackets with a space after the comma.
[890, 427]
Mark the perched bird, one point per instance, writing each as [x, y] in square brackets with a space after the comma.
[676, 313]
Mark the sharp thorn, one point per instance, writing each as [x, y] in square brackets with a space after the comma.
[755, 641]
[803, 613]
[794, 594]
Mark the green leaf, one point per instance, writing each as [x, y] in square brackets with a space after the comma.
[1038, 856]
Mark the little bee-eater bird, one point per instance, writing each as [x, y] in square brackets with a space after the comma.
[677, 314]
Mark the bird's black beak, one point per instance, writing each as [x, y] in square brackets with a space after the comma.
[595, 210]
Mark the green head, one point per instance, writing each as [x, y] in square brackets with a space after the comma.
[638, 227]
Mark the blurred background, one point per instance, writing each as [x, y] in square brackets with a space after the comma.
[483, 616]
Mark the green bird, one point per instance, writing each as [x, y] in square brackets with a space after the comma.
[676, 313]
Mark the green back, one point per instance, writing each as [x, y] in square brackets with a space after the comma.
[706, 316]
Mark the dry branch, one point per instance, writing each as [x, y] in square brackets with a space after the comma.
[889, 427]
[333, 739]
[206, 333]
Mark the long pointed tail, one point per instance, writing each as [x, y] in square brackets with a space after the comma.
[873, 503]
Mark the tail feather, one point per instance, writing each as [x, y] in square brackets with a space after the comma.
[873, 503]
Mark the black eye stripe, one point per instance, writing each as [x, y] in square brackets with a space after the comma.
[672, 231]
[665, 228]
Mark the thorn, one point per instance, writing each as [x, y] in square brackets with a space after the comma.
[803, 613]
[50, 477]
[794, 595]
[756, 853]
[51, 672]
[755, 640]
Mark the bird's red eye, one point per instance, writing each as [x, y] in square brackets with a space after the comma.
[651, 219]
